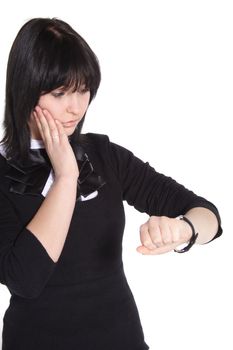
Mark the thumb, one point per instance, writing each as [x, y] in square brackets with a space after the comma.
[156, 251]
[143, 250]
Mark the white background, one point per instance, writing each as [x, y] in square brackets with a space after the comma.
[166, 94]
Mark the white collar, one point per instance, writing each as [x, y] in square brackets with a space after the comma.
[35, 144]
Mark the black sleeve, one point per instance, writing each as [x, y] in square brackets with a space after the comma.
[151, 192]
[25, 265]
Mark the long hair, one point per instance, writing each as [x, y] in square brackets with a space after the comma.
[46, 54]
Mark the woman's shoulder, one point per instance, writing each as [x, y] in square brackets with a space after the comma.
[94, 138]
[93, 142]
[100, 141]
[102, 144]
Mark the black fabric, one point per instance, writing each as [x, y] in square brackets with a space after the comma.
[31, 177]
[82, 302]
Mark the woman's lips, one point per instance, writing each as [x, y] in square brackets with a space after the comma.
[69, 123]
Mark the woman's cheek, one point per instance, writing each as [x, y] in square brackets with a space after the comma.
[52, 111]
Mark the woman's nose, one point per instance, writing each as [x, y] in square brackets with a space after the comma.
[73, 104]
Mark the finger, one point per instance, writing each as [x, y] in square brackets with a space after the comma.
[50, 120]
[165, 230]
[155, 234]
[175, 231]
[61, 131]
[157, 251]
[145, 237]
[45, 132]
[52, 125]
[38, 123]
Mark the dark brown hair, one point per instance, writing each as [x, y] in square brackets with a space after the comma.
[46, 54]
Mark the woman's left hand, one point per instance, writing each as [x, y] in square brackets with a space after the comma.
[161, 234]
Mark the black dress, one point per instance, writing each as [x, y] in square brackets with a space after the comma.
[82, 302]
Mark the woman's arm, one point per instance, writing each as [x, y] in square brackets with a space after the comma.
[163, 234]
[28, 255]
[51, 222]
[163, 199]
[204, 222]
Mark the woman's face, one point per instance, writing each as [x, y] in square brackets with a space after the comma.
[66, 106]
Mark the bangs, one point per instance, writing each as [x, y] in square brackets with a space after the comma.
[68, 64]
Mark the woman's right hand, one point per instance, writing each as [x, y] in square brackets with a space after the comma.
[56, 144]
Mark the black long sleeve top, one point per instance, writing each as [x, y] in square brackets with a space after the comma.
[82, 302]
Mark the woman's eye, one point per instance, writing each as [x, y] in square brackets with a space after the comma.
[57, 93]
[83, 90]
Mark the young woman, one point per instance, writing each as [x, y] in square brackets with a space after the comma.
[61, 204]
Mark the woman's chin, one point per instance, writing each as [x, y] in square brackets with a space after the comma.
[69, 132]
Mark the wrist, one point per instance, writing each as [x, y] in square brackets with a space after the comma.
[192, 233]
[186, 230]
